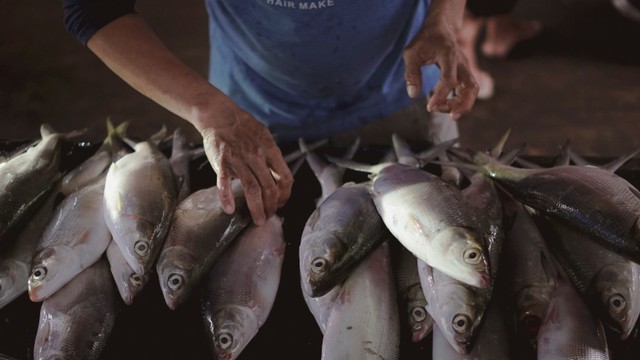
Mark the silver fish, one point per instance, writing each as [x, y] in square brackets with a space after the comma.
[129, 282]
[567, 194]
[181, 156]
[140, 196]
[364, 322]
[200, 232]
[74, 239]
[411, 296]
[569, 329]
[340, 232]
[15, 265]
[27, 178]
[241, 288]
[76, 322]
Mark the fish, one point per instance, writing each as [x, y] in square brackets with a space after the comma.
[364, 321]
[138, 213]
[128, 282]
[569, 329]
[241, 288]
[199, 233]
[339, 233]
[181, 156]
[411, 296]
[530, 273]
[15, 264]
[28, 177]
[76, 322]
[431, 218]
[567, 194]
[75, 238]
[609, 283]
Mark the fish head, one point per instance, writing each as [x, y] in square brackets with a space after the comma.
[51, 269]
[318, 257]
[129, 282]
[532, 303]
[12, 280]
[175, 268]
[617, 288]
[230, 329]
[420, 322]
[460, 253]
[459, 316]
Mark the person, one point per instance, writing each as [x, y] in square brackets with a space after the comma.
[286, 69]
[502, 33]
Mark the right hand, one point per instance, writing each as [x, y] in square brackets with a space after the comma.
[240, 147]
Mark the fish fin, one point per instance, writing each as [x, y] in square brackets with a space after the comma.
[317, 165]
[616, 164]
[451, 174]
[46, 130]
[296, 166]
[511, 156]
[353, 165]
[577, 159]
[564, 157]
[497, 149]
[299, 153]
[353, 149]
[403, 151]
[430, 154]
[526, 163]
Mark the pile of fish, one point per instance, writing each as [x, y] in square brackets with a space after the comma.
[473, 254]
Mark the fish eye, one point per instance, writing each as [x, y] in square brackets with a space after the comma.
[461, 323]
[472, 255]
[135, 279]
[318, 264]
[531, 324]
[224, 341]
[141, 247]
[39, 272]
[617, 303]
[175, 281]
[419, 314]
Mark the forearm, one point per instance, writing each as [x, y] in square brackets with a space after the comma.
[130, 49]
[449, 12]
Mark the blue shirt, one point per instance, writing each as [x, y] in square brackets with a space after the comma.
[308, 69]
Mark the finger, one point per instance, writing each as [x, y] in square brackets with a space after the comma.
[225, 192]
[466, 93]
[252, 193]
[412, 72]
[268, 189]
[447, 82]
[284, 179]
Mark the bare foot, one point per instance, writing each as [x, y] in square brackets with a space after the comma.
[504, 32]
[467, 37]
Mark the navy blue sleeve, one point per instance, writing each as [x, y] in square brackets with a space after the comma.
[83, 18]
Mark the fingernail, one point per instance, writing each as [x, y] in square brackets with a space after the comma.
[412, 90]
[455, 116]
[227, 208]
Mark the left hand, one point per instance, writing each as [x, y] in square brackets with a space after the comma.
[436, 44]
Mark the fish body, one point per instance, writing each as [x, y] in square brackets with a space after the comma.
[128, 282]
[140, 196]
[411, 296]
[433, 220]
[200, 232]
[341, 231]
[74, 239]
[76, 321]
[364, 322]
[241, 288]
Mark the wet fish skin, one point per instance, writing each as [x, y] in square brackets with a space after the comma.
[76, 321]
[128, 282]
[364, 322]
[199, 233]
[411, 296]
[27, 178]
[15, 265]
[241, 288]
[567, 194]
[75, 238]
[342, 230]
[138, 213]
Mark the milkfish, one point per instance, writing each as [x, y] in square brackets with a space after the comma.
[411, 296]
[364, 322]
[609, 282]
[568, 194]
[181, 156]
[199, 233]
[456, 308]
[15, 264]
[341, 231]
[530, 273]
[28, 176]
[140, 195]
[569, 330]
[431, 218]
[128, 282]
[241, 288]
[75, 238]
[76, 321]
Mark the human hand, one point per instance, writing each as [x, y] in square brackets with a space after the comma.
[436, 44]
[239, 146]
